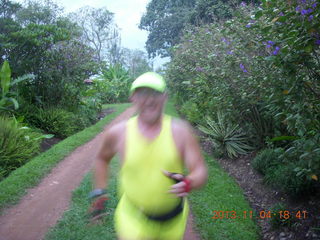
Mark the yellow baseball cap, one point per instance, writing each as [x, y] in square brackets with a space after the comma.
[151, 80]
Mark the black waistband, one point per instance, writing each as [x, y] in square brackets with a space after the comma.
[166, 216]
[169, 215]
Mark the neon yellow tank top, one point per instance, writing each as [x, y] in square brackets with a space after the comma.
[141, 175]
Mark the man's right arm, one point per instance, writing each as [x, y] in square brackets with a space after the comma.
[110, 147]
[106, 153]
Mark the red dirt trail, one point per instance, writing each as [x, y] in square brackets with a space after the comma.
[44, 204]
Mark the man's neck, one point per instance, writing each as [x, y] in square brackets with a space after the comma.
[150, 125]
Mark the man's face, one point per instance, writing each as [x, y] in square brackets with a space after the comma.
[150, 103]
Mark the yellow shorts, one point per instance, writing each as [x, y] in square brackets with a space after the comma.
[131, 224]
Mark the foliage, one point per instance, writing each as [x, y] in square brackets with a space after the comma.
[284, 178]
[38, 12]
[18, 144]
[226, 136]
[7, 96]
[261, 68]
[267, 158]
[113, 84]
[191, 111]
[54, 120]
[98, 29]
[166, 19]
[136, 62]
[36, 39]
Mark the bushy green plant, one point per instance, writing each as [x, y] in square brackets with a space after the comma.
[284, 177]
[266, 159]
[8, 99]
[17, 145]
[226, 136]
[191, 111]
[54, 120]
[113, 84]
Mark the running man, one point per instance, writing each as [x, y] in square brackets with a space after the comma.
[154, 149]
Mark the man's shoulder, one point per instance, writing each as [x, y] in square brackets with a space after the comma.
[180, 127]
[118, 128]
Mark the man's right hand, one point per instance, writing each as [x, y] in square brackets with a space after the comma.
[98, 207]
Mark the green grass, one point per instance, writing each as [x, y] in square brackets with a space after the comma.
[221, 194]
[15, 185]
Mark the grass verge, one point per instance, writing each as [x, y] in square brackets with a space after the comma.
[16, 184]
[221, 194]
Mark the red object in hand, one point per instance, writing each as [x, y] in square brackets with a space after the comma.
[99, 204]
[188, 184]
[98, 208]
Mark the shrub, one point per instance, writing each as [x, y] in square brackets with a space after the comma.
[284, 178]
[226, 136]
[113, 84]
[53, 120]
[18, 144]
[265, 57]
[266, 159]
[191, 111]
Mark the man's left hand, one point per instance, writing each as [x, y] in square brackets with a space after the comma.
[182, 187]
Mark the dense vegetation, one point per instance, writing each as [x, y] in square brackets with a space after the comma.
[56, 72]
[259, 72]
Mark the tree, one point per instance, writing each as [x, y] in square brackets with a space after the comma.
[166, 19]
[136, 62]
[39, 12]
[35, 39]
[98, 29]
[8, 8]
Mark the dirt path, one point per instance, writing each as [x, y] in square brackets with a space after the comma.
[43, 205]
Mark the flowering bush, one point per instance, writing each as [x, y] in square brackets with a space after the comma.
[261, 68]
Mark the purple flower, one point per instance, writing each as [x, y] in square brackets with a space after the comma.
[276, 51]
[314, 5]
[309, 11]
[318, 41]
[190, 40]
[243, 4]
[243, 68]
[281, 14]
[268, 46]
[199, 69]
[271, 42]
[225, 40]
[230, 52]
[248, 25]
[310, 18]
[304, 12]
[298, 9]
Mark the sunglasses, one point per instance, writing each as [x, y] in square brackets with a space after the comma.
[146, 92]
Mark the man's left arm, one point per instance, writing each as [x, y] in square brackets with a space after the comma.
[193, 160]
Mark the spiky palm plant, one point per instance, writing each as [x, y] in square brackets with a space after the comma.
[226, 136]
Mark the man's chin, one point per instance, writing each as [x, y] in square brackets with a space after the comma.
[150, 117]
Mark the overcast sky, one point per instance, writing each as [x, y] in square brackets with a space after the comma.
[127, 15]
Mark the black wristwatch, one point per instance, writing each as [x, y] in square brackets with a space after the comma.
[97, 192]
